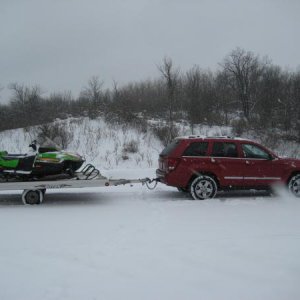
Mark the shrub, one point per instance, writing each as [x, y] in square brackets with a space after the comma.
[166, 134]
[239, 126]
[56, 133]
[131, 147]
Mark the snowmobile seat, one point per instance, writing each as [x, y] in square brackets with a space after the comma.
[26, 163]
[9, 156]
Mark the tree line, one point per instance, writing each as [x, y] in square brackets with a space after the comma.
[247, 91]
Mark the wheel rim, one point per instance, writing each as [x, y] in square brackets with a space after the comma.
[204, 189]
[295, 187]
[32, 197]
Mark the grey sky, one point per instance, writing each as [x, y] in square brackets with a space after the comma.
[60, 44]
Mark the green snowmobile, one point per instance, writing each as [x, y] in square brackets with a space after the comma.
[39, 163]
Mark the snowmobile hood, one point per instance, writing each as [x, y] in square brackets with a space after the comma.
[70, 155]
[61, 155]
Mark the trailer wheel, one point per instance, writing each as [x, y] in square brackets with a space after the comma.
[32, 197]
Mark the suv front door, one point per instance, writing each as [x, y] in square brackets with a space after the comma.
[259, 168]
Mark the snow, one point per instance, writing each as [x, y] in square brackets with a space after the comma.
[132, 243]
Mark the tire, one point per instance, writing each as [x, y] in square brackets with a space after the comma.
[294, 185]
[203, 187]
[32, 197]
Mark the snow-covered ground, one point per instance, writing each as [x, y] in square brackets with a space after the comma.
[132, 243]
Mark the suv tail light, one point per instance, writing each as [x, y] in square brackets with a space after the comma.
[171, 164]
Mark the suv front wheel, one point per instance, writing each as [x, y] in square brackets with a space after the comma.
[294, 185]
[203, 187]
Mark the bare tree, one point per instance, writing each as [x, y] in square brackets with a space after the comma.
[199, 91]
[245, 70]
[192, 88]
[59, 106]
[94, 95]
[171, 78]
[296, 92]
[26, 101]
[270, 92]
[226, 101]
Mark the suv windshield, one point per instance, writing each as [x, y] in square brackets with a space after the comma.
[170, 148]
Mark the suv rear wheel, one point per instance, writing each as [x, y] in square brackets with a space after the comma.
[203, 187]
[294, 185]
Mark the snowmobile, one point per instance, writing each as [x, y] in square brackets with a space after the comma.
[39, 163]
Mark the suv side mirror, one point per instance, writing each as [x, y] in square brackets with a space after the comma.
[271, 157]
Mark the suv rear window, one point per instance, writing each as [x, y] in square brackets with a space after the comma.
[196, 149]
[170, 148]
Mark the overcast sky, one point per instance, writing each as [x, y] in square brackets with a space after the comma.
[60, 44]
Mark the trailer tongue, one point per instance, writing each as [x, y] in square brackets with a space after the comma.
[34, 191]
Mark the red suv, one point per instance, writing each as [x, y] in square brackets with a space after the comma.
[204, 165]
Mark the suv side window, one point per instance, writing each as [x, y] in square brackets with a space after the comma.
[252, 151]
[196, 149]
[221, 149]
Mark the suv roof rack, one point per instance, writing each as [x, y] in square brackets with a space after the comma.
[221, 137]
[210, 137]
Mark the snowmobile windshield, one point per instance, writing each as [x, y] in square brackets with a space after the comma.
[48, 145]
[48, 149]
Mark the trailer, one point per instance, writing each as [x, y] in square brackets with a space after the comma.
[34, 191]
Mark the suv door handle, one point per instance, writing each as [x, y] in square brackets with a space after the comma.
[213, 160]
[247, 162]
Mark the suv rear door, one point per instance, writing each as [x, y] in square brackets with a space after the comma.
[227, 163]
[194, 159]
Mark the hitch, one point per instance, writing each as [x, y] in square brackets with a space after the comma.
[149, 181]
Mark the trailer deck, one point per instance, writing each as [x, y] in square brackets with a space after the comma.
[34, 191]
[67, 183]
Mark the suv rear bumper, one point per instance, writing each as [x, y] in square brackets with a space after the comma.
[169, 178]
[160, 174]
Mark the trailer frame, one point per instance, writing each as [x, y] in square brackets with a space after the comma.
[34, 191]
